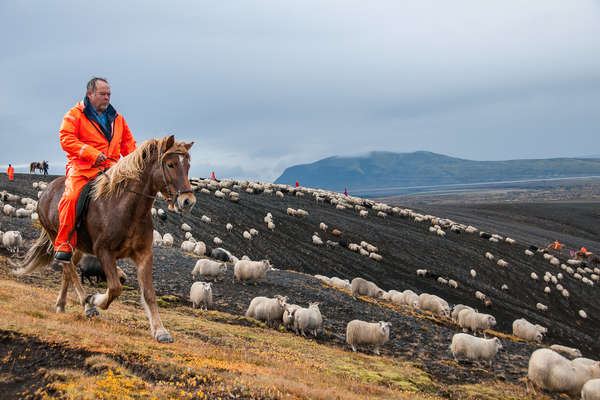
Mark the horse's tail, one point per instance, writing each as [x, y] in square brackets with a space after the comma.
[39, 255]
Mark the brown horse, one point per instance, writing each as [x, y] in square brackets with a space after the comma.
[36, 165]
[118, 223]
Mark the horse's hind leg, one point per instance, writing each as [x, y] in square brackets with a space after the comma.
[143, 261]
[69, 276]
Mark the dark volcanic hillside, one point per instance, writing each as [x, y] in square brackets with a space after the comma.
[405, 245]
[386, 173]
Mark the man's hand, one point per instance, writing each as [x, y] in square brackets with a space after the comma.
[101, 158]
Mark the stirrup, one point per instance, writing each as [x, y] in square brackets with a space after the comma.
[65, 244]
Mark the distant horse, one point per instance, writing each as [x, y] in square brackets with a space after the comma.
[558, 248]
[118, 223]
[36, 165]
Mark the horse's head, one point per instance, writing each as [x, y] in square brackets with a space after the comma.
[174, 163]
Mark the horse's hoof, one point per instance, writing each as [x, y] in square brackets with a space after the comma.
[164, 338]
[90, 311]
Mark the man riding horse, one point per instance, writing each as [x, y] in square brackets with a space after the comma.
[94, 136]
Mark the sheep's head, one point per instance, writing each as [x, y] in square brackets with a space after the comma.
[281, 300]
[380, 293]
[222, 267]
[538, 337]
[314, 305]
[384, 327]
[492, 320]
[498, 343]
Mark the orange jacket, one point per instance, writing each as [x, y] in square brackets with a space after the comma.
[83, 141]
[10, 171]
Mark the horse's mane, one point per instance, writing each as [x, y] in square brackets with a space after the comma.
[113, 182]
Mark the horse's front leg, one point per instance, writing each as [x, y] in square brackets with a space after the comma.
[109, 266]
[143, 261]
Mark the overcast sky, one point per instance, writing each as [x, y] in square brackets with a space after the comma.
[263, 85]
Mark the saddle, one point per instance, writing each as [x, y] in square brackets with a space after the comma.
[83, 202]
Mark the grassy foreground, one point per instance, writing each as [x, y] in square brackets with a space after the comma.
[215, 355]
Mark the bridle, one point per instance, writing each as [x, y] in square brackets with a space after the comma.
[171, 198]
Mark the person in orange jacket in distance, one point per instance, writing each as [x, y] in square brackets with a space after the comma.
[10, 171]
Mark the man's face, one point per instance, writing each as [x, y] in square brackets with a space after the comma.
[100, 98]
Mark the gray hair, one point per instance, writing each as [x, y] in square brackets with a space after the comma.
[91, 85]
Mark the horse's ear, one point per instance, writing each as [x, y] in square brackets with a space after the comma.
[188, 145]
[167, 144]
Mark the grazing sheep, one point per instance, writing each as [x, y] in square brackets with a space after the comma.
[221, 254]
[229, 227]
[253, 232]
[533, 276]
[205, 219]
[156, 238]
[486, 300]
[161, 214]
[188, 246]
[408, 298]
[90, 267]
[489, 256]
[217, 241]
[279, 194]
[591, 390]
[23, 213]
[269, 310]
[526, 330]
[550, 371]
[457, 309]
[8, 210]
[566, 351]
[363, 213]
[473, 273]
[199, 249]
[391, 293]
[529, 252]
[301, 213]
[434, 304]
[209, 268]
[12, 241]
[453, 284]
[442, 281]
[219, 194]
[375, 256]
[245, 270]
[323, 226]
[360, 332]
[291, 211]
[363, 287]
[289, 315]
[322, 278]
[201, 295]
[185, 227]
[474, 348]
[469, 319]
[317, 240]
[234, 197]
[440, 232]
[308, 319]
[167, 240]
[188, 236]
[271, 226]
[340, 283]
[247, 235]
[502, 263]
[582, 314]
[510, 240]
[504, 287]
[541, 307]
[421, 272]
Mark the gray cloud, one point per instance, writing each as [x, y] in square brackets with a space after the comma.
[262, 85]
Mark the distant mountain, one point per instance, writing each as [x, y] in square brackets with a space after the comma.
[396, 172]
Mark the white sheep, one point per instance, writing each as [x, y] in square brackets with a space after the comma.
[188, 246]
[591, 390]
[35, 217]
[269, 310]
[189, 236]
[502, 263]
[245, 270]
[209, 268]
[205, 219]
[289, 314]
[541, 307]
[504, 286]
[340, 283]
[185, 227]
[452, 283]
[550, 371]
[489, 255]
[421, 272]
[457, 309]
[566, 351]
[271, 226]
[253, 232]
[12, 241]
[582, 314]
[301, 213]
[363, 287]
[363, 213]
[279, 194]
[308, 319]
[510, 240]
[201, 295]
[473, 273]
[199, 249]
[529, 252]
[217, 241]
[8, 210]
[247, 235]
[360, 332]
[317, 240]
[375, 256]
[323, 226]
[564, 293]
[469, 319]
[474, 348]
[442, 280]
[322, 278]
[434, 304]
[533, 276]
[291, 211]
[229, 227]
[156, 238]
[407, 298]
[526, 330]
